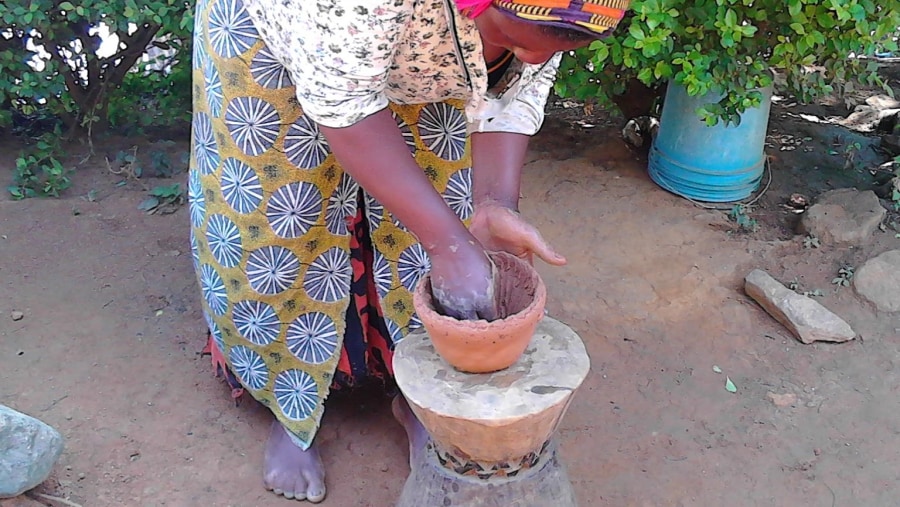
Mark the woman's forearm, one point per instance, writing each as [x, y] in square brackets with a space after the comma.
[497, 159]
[374, 153]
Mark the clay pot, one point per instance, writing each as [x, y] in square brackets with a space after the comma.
[479, 346]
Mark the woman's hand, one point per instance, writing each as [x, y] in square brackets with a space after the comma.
[499, 228]
[462, 281]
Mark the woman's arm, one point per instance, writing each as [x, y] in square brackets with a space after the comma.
[374, 153]
[497, 160]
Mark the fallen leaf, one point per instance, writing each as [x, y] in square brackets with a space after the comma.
[148, 204]
[159, 312]
[717, 369]
[729, 386]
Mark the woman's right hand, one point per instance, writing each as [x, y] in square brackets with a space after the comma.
[462, 281]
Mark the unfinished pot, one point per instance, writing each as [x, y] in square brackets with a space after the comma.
[479, 346]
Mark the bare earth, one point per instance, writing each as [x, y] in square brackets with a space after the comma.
[107, 351]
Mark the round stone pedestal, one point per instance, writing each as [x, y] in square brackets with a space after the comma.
[492, 435]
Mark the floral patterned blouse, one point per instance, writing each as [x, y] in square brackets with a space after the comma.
[349, 58]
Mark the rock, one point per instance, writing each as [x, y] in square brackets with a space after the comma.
[843, 217]
[878, 281]
[28, 450]
[804, 317]
[782, 400]
[17, 315]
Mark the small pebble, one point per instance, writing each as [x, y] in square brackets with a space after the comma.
[817, 452]
[782, 400]
[17, 315]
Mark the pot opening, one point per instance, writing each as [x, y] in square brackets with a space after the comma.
[515, 286]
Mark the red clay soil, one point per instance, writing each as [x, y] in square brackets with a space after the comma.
[108, 353]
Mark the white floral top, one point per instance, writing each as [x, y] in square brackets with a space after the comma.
[349, 58]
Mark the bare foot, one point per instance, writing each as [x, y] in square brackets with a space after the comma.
[415, 432]
[291, 471]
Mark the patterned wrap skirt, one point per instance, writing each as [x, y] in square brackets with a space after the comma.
[306, 280]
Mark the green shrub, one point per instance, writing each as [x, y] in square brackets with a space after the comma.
[730, 48]
[51, 69]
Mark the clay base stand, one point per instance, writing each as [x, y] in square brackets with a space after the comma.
[492, 436]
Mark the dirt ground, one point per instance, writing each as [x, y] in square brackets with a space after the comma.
[107, 351]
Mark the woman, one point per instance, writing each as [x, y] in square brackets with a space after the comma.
[340, 147]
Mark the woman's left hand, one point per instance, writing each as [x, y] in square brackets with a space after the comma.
[499, 228]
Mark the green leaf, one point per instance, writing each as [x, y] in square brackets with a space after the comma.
[646, 75]
[636, 31]
[729, 386]
[148, 204]
[730, 18]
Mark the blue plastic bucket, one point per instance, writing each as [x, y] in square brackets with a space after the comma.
[711, 164]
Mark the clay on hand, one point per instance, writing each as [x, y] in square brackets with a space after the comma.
[462, 282]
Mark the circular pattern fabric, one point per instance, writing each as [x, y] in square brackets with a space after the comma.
[458, 194]
[443, 130]
[256, 322]
[374, 212]
[213, 289]
[212, 85]
[277, 261]
[407, 134]
[249, 367]
[294, 208]
[196, 200]
[206, 151]
[413, 265]
[231, 31]
[195, 251]
[214, 331]
[296, 393]
[253, 124]
[382, 273]
[327, 279]
[240, 186]
[272, 269]
[312, 337]
[198, 49]
[224, 240]
[341, 206]
[268, 71]
[305, 145]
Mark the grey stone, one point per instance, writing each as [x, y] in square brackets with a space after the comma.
[878, 281]
[28, 450]
[843, 217]
[808, 320]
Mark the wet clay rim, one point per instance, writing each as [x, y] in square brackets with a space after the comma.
[481, 346]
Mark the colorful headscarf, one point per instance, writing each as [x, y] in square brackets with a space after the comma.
[594, 16]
